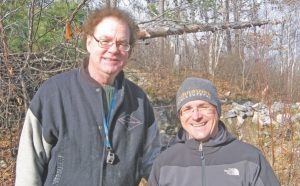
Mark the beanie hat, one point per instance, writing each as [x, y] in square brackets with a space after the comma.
[198, 89]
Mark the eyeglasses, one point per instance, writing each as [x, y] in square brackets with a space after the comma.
[205, 109]
[107, 44]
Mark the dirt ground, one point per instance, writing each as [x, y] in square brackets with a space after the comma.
[9, 140]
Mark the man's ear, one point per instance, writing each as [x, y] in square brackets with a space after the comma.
[89, 40]
[130, 52]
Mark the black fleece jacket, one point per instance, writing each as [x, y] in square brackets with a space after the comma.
[63, 139]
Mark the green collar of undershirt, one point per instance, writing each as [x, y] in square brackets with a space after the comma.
[108, 93]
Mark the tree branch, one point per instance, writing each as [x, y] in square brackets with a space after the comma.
[147, 33]
[70, 19]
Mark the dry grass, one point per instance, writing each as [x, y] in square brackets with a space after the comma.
[8, 140]
[281, 146]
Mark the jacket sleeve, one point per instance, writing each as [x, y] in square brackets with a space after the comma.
[266, 175]
[151, 149]
[155, 173]
[33, 153]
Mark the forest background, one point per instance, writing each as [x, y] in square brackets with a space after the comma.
[248, 48]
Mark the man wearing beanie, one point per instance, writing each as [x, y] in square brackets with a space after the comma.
[205, 153]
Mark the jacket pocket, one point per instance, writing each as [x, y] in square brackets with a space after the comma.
[59, 170]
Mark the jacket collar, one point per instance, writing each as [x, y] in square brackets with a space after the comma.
[119, 78]
[223, 137]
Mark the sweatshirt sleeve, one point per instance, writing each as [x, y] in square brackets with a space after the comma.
[151, 149]
[33, 153]
[155, 173]
[266, 175]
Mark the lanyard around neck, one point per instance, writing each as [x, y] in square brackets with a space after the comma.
[106, 120]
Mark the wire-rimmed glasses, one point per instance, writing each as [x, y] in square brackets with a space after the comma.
[204, 109]
[107, 44]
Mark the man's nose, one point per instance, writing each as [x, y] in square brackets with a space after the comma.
[113, 48]
[196, 114]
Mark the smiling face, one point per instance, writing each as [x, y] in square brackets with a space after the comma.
[200, 119]
[105, 64]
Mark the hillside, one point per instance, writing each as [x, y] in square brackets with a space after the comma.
[279, 144]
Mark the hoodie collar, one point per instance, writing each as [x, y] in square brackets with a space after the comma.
[210, 145]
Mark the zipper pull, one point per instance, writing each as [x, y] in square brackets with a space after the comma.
[201, 150]
[200, 147]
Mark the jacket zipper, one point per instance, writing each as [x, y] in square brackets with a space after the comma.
[202, 165]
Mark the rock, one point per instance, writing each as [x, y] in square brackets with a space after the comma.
[242, 115]
[231, 114]
[258, 106]
[227, 93]
[3, 164]
[277, 106]
[249, 114]
[248, 104]
[240, 120]
[229, 121]
[295, 118]
[264, 120]
[238, 107]
[282, 118]
[167, 141]
[259, 112]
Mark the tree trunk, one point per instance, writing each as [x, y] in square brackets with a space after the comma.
[113, 3]
[228, 35]
[161, 40]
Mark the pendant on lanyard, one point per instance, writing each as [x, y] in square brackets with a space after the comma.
[110, 156]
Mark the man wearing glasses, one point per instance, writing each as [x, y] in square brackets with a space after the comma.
[206, 154]
[91, 126]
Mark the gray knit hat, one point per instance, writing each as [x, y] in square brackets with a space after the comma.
[198, 89]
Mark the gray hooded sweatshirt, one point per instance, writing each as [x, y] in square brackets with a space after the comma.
[223, 160]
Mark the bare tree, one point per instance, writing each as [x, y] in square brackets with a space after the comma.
[161, 4]
[228, 34]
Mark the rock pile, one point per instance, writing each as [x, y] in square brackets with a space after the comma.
[278, 114]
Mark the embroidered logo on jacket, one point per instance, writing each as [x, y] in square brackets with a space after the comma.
[129, 121]
[232, 171]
